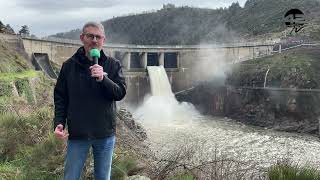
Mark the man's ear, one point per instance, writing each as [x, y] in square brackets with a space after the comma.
[81, 37]
[104, 40]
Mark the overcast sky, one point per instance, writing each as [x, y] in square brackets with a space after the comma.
[46, 17]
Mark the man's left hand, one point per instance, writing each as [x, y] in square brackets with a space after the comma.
[97, 72]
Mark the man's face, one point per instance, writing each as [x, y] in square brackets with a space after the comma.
[92, 37]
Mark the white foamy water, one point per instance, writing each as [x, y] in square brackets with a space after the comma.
[159, 82]
[161, 108]
[170, 123]
[237, 141]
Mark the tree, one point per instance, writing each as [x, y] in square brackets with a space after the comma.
[2, 27]
[24, 31]
[235, 7]
[9, 29]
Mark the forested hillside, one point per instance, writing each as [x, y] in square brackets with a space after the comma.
[189, 25]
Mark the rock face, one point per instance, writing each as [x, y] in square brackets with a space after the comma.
[128, 123]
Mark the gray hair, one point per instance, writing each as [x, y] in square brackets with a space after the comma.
[93, 24]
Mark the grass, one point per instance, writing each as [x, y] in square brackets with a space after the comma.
[10, 60]
[28, 148]
[9, 171]
[44, 160]
[123, 164]
[21, 82]
[287, 171]
[296, 67]
[8, 77]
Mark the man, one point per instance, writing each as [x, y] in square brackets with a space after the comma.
[84, 97]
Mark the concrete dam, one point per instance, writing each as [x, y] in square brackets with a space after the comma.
[185, 65]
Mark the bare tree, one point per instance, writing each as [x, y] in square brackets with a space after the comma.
[189, 158]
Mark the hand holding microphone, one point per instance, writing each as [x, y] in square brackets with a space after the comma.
[96, 69]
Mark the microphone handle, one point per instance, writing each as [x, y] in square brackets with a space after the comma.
[95, 61]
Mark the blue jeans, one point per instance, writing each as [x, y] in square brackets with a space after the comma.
[77, 151]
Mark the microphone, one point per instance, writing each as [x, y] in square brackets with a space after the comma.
[95, 54]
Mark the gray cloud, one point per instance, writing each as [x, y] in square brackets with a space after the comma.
[46, 17]
[65, 5]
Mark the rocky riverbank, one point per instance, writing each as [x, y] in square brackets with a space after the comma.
[279, 92]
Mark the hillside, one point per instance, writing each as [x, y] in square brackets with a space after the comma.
[10, 60]
[293, 68]
[187, 25]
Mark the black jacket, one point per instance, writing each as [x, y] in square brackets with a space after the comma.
[86, 106]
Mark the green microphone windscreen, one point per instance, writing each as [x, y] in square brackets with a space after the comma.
[95, 53]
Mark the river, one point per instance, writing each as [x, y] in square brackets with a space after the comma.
[172, 125]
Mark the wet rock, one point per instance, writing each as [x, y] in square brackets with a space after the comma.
[130, 123]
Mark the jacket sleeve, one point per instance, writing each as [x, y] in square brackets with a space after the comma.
[61, 99]
[115, 89]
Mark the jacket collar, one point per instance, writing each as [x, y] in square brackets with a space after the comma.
[81, 58]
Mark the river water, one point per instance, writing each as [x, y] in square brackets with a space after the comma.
[171, 125]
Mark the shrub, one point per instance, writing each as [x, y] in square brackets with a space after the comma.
[5, 89]
[20, 131]
[284, 170]
[44, 160]
[24, 89]
[123, 163]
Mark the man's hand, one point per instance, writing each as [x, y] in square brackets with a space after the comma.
[60, 133]
[97, 71]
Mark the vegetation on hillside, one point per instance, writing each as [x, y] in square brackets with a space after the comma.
[285, 170]
[296, 68]
[11, 61]
[6, 28]
[189, 25]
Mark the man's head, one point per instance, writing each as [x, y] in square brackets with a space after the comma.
[92, 36]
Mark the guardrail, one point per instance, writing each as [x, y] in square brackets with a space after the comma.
[136, 46]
